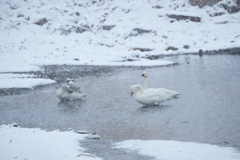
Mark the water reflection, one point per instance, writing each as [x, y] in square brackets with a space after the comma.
[70, 106]
[150, 109]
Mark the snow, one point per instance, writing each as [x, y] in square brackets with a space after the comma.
[169, 150]
[37, 144]
[57, 41]
[26, 46]
[22, 81]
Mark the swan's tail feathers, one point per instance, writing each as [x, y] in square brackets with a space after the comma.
[174, 95]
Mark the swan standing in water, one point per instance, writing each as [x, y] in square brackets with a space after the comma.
[168, 92]
[149, 97]
[70, 91]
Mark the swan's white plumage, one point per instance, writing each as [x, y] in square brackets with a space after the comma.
[149, 96]
[66, 93]
[74, 86]
[169, 92]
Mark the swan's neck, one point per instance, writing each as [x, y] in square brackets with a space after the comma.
[140, 91]
[145, 83]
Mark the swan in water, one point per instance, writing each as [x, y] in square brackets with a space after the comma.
[65, 92]
[150, 96]
[73, 85]
[169, 92]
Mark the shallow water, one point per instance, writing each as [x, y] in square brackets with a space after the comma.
[206, 111]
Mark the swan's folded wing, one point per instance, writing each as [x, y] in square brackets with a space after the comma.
[155, 95]
[169, 92]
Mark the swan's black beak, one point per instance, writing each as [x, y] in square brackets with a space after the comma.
[143, 74]
[131, 93]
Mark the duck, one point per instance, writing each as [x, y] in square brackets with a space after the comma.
[66, 93]
[169, 92]
[150, 96]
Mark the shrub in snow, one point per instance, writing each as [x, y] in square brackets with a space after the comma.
[183, 17]
[186, 46]
[171, 48]
[108, 27]
[41, 22]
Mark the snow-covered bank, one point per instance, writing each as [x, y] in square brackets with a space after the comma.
[169, 150]
[22, 81]
[36, 144]
[101, 33]
[35, 33]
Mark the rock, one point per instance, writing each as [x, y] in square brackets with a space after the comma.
[202, 3]
[70, 130]
[183, 17]
[216, 14]
[186, 46]
[157, 7]
[20, 15]
[200, 53]
[238, 2]
[171, 48]
[137, 31]
[230, 9]
[128, 59]
[142, 49]
[108, 28]
[164, 37]
[41, 22]
[93, 136]
[82, 29]
[82, 132]
[77, 13]
[14, 125]
[153, 57]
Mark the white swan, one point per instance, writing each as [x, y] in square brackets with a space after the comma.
[73, 85]
[169, 92]
[66, 93]
[149, 97]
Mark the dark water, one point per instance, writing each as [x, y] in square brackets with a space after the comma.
[208, 109]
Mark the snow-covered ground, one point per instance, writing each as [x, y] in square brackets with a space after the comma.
[9, 80]
[169, 150]
[59, 41]
[37, 144]
[108, 32]
[102, 33]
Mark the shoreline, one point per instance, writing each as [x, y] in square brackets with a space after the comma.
[60, 72]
